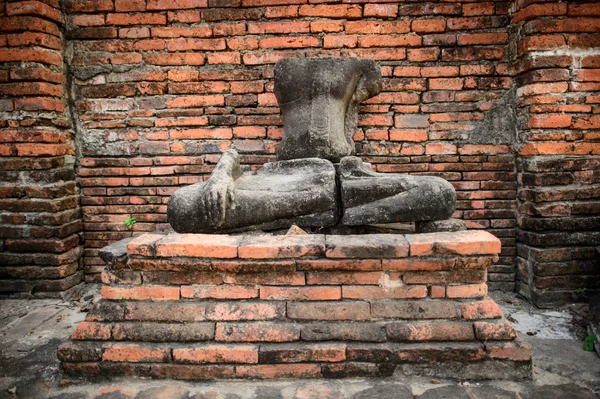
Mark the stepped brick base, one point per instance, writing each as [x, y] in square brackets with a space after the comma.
[198, 307]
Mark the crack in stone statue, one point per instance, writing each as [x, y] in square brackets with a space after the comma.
[316, 181]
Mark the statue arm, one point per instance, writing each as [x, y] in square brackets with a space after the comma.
[219, 190]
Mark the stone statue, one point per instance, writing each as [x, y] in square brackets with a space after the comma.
[316, 181]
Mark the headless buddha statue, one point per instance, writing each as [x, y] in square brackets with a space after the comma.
[316, 181]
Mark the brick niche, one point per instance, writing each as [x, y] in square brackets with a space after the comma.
[203, 307]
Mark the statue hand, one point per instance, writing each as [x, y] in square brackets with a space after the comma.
[218, 197]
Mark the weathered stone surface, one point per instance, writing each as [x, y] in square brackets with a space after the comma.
[298, 191]
[319, 100]
[433, 226]
[372, 198]
[115, 253]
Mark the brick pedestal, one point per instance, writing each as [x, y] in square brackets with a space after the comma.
[197, 307]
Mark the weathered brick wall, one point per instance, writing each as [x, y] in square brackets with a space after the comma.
[161, 87]
[40, 220]
[559, 149]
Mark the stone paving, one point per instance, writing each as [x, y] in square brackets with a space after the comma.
[30, 332]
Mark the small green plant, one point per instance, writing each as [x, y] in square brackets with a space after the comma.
[588, 343]
[130, 222]
[580, 291]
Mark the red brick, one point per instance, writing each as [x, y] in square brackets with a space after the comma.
[135, 353]
[141, 293]
[463, 243]
[552, 121]
[198, 246]
[468, 39]
[502, 331]
[217, 354]
[301, 293]
[348, 11]
[224, 58]
[289, 42]
[383, 292]
[326, 26]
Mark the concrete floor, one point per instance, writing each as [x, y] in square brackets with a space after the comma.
[31, 330]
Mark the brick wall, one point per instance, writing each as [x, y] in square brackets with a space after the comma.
[40, 246]
[161, 87]
[559, 148]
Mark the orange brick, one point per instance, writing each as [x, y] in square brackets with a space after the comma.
[438, 291]
[467, 291]
[87, 330]
[517, 350]
[224, 58]
[301, 293]
[326, 26]
[198, 246]
[348, 11]
[487, 309]
[380, 10]
[339, 41]
[550, 121]
[143, 245]
[463, 242]
[135, 353]
[502, 331]
[440, 148]
[217, 354]
[428, 25]
[408, 135]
